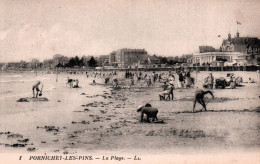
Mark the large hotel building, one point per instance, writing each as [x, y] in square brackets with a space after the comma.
[126, 57]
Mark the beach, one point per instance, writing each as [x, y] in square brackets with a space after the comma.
[98, 118]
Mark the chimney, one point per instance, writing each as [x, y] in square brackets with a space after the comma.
[237, 34]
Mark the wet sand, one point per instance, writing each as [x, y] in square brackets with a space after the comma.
[99, 118]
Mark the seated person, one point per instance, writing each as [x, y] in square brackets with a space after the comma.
[168, 92]
[251, 80]
[77, 84]
[70, 82]
[115, 82]
[165, 86]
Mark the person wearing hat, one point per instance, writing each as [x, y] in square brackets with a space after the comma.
[70, 82]
[77, 84]
[149, 111]
[168, 92]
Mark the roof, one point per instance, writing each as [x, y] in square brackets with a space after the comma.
[153, 57]
[132, 50]
[248, 41]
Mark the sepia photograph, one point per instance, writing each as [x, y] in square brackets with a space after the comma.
[130, 81]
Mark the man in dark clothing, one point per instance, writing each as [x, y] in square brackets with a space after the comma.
[199, 97]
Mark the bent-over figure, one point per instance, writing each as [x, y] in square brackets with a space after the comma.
[199, 97]
[149, 111]
[36, 87]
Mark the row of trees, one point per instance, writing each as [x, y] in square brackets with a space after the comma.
[165, 60]
[63, 61]
[76, 62]
[56, 61]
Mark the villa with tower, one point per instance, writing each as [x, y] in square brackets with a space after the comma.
[237, 50]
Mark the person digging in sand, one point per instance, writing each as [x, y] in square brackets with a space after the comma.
[149, 111]
[199, 97]
[36, 87]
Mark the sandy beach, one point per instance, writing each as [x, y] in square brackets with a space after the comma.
[98, 118]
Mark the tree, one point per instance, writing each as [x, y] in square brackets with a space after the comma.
[23, 64]
[59, 65]
[60, 59]
[164, 60]
[34, 63]
[171, 62]
[77, 62]
[47, 63]
[81, 62]
[71, 63]
[92, 62]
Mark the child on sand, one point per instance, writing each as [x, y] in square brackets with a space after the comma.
[77, 84]
[36, 87]
[132, 82]
[115, 82]
[149, 81]
[70, 82]
[251, 80]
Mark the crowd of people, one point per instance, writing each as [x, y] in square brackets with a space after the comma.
[168, 81]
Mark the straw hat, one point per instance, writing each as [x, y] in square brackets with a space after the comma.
[140, 106]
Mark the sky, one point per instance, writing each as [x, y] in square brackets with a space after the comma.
[42, 28]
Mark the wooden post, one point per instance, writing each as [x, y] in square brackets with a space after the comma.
[56, 74]
[36, 68]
